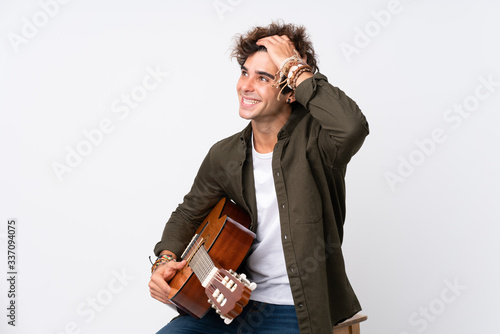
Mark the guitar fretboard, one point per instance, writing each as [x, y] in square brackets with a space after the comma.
[201, 263]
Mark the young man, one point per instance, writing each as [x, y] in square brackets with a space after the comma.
[286, 169]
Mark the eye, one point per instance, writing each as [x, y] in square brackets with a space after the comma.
[244, 73]
[264, 79]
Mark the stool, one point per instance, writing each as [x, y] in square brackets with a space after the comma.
[350, 326]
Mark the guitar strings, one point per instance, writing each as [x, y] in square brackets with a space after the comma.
[201, 263]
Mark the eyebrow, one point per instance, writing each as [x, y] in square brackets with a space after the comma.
[264, 73]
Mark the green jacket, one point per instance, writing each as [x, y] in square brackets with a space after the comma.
[326, 128]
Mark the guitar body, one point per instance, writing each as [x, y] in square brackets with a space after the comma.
[227, 240]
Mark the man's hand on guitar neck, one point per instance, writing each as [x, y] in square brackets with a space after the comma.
[158, 285]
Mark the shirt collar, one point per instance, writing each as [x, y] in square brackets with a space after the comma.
[296, 116]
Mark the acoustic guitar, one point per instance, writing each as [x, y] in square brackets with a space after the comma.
[217, 249]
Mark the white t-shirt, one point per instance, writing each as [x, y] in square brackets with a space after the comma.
[266, 262]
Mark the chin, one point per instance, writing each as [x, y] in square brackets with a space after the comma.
[245, 116]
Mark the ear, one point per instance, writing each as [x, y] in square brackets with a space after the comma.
[290, 97]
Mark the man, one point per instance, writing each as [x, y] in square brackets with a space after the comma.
[286, 169]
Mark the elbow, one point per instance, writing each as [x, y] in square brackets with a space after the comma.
[349, 143]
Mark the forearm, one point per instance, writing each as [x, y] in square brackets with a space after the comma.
[176, 235]
[302, 77]
[180, 228]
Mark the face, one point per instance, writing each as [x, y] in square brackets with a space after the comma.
[256, 94]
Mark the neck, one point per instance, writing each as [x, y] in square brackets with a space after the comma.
[264, 142]
[265, 134]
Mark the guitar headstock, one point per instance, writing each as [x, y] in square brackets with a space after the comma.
[228, 293]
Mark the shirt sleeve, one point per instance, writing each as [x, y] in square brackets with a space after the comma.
[343, 125]
[180, 228]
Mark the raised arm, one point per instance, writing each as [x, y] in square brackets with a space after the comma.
[338, 115]
[343, 124]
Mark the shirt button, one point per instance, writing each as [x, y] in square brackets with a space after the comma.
[286, 236]
[300, 305]
[277, 173]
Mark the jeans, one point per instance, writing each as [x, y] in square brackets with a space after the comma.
[256, 317]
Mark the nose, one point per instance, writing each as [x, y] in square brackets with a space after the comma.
[245, 84]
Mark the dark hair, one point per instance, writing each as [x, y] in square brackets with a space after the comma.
[245, 44]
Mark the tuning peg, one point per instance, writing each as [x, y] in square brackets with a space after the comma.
[230, 284]
[250, 285]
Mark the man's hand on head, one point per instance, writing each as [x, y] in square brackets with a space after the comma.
[279, 48]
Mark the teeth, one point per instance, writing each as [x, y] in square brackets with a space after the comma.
[250, 101]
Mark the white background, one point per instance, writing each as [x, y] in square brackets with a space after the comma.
[421, 252]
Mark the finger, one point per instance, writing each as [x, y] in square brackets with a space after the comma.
[178, 265]
[161, 298]
[159, 284]
[157, 293]
[278, 48]
[277, 40]
[171, 268]
[158, 296]
[273, 40]
[263, 41]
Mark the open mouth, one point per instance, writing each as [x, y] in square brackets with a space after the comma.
[249, 101]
